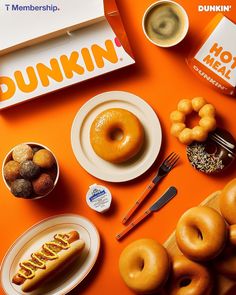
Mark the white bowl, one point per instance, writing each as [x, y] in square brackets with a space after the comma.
[32, 144]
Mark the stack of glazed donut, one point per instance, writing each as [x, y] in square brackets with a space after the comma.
[207, 240]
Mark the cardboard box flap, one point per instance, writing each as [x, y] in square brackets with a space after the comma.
[21, 22]
[115, 21]
[213, 57]
[90, 51]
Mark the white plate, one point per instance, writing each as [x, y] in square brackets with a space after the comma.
[33, 239]
[84, 152]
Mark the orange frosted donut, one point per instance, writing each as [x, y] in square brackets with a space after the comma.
[201, 233]
[189, 277]
[228, 202]
[144, 266]
[116, 135]
[226, 263]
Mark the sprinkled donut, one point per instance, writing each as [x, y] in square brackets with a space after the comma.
[212, 156]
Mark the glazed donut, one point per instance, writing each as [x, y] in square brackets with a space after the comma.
[116, 135]
[206, 124]
[144, 266]
[227, 202]
[232, 234]
[201, 233]
[226, 262]
[189, 277]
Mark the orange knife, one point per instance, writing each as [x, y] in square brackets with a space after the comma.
[164, 199]
[167, 165]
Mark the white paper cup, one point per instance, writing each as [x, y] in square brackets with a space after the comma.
[185, 17]
[32, 144]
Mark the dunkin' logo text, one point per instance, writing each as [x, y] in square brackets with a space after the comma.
[66, 66]
[223, 61]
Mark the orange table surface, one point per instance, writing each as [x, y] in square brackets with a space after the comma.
[162, 78]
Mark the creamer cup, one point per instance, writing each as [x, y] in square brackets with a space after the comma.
[99, 198]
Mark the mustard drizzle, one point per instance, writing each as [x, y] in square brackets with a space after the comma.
[39, 258]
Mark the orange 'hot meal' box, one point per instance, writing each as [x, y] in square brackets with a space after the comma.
[41, 59]
[214, 59]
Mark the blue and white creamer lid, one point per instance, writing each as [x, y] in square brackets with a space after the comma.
[98, 198]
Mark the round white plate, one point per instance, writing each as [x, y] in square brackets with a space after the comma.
[42, 232]
[80, 137]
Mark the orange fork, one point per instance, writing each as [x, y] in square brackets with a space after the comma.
[166, 166]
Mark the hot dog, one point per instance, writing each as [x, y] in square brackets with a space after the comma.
[50, 259]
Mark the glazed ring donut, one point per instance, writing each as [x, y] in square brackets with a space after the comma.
[232, 234]
[228, 202]
[226, 263]
[116, 135]
[201, 233]
[189, 277]
[144, 266]
[200, 132]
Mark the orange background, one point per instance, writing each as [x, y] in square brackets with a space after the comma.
[161, 77]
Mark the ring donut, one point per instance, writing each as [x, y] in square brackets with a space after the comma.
[206, 124]
[228, 202]
[116, 135]
[201, 233]
[232, 234]
[189, 277]
[144, 266]
[226, 263]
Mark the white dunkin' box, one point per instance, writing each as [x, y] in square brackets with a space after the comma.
[45, 47]
[213, 59]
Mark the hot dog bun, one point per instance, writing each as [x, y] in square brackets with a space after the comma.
[54, 267]
[73, 247]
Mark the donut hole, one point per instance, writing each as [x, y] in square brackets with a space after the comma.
[194, 233]
[199, 234]
[141, 264]
[192, 120]
[116, 134]
[184, 282]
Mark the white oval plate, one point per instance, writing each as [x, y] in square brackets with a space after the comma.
[42, 232]
[80, 138]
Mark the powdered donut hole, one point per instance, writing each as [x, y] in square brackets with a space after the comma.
[22, 152]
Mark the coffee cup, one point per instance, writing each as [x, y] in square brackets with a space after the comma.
[165, 23]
